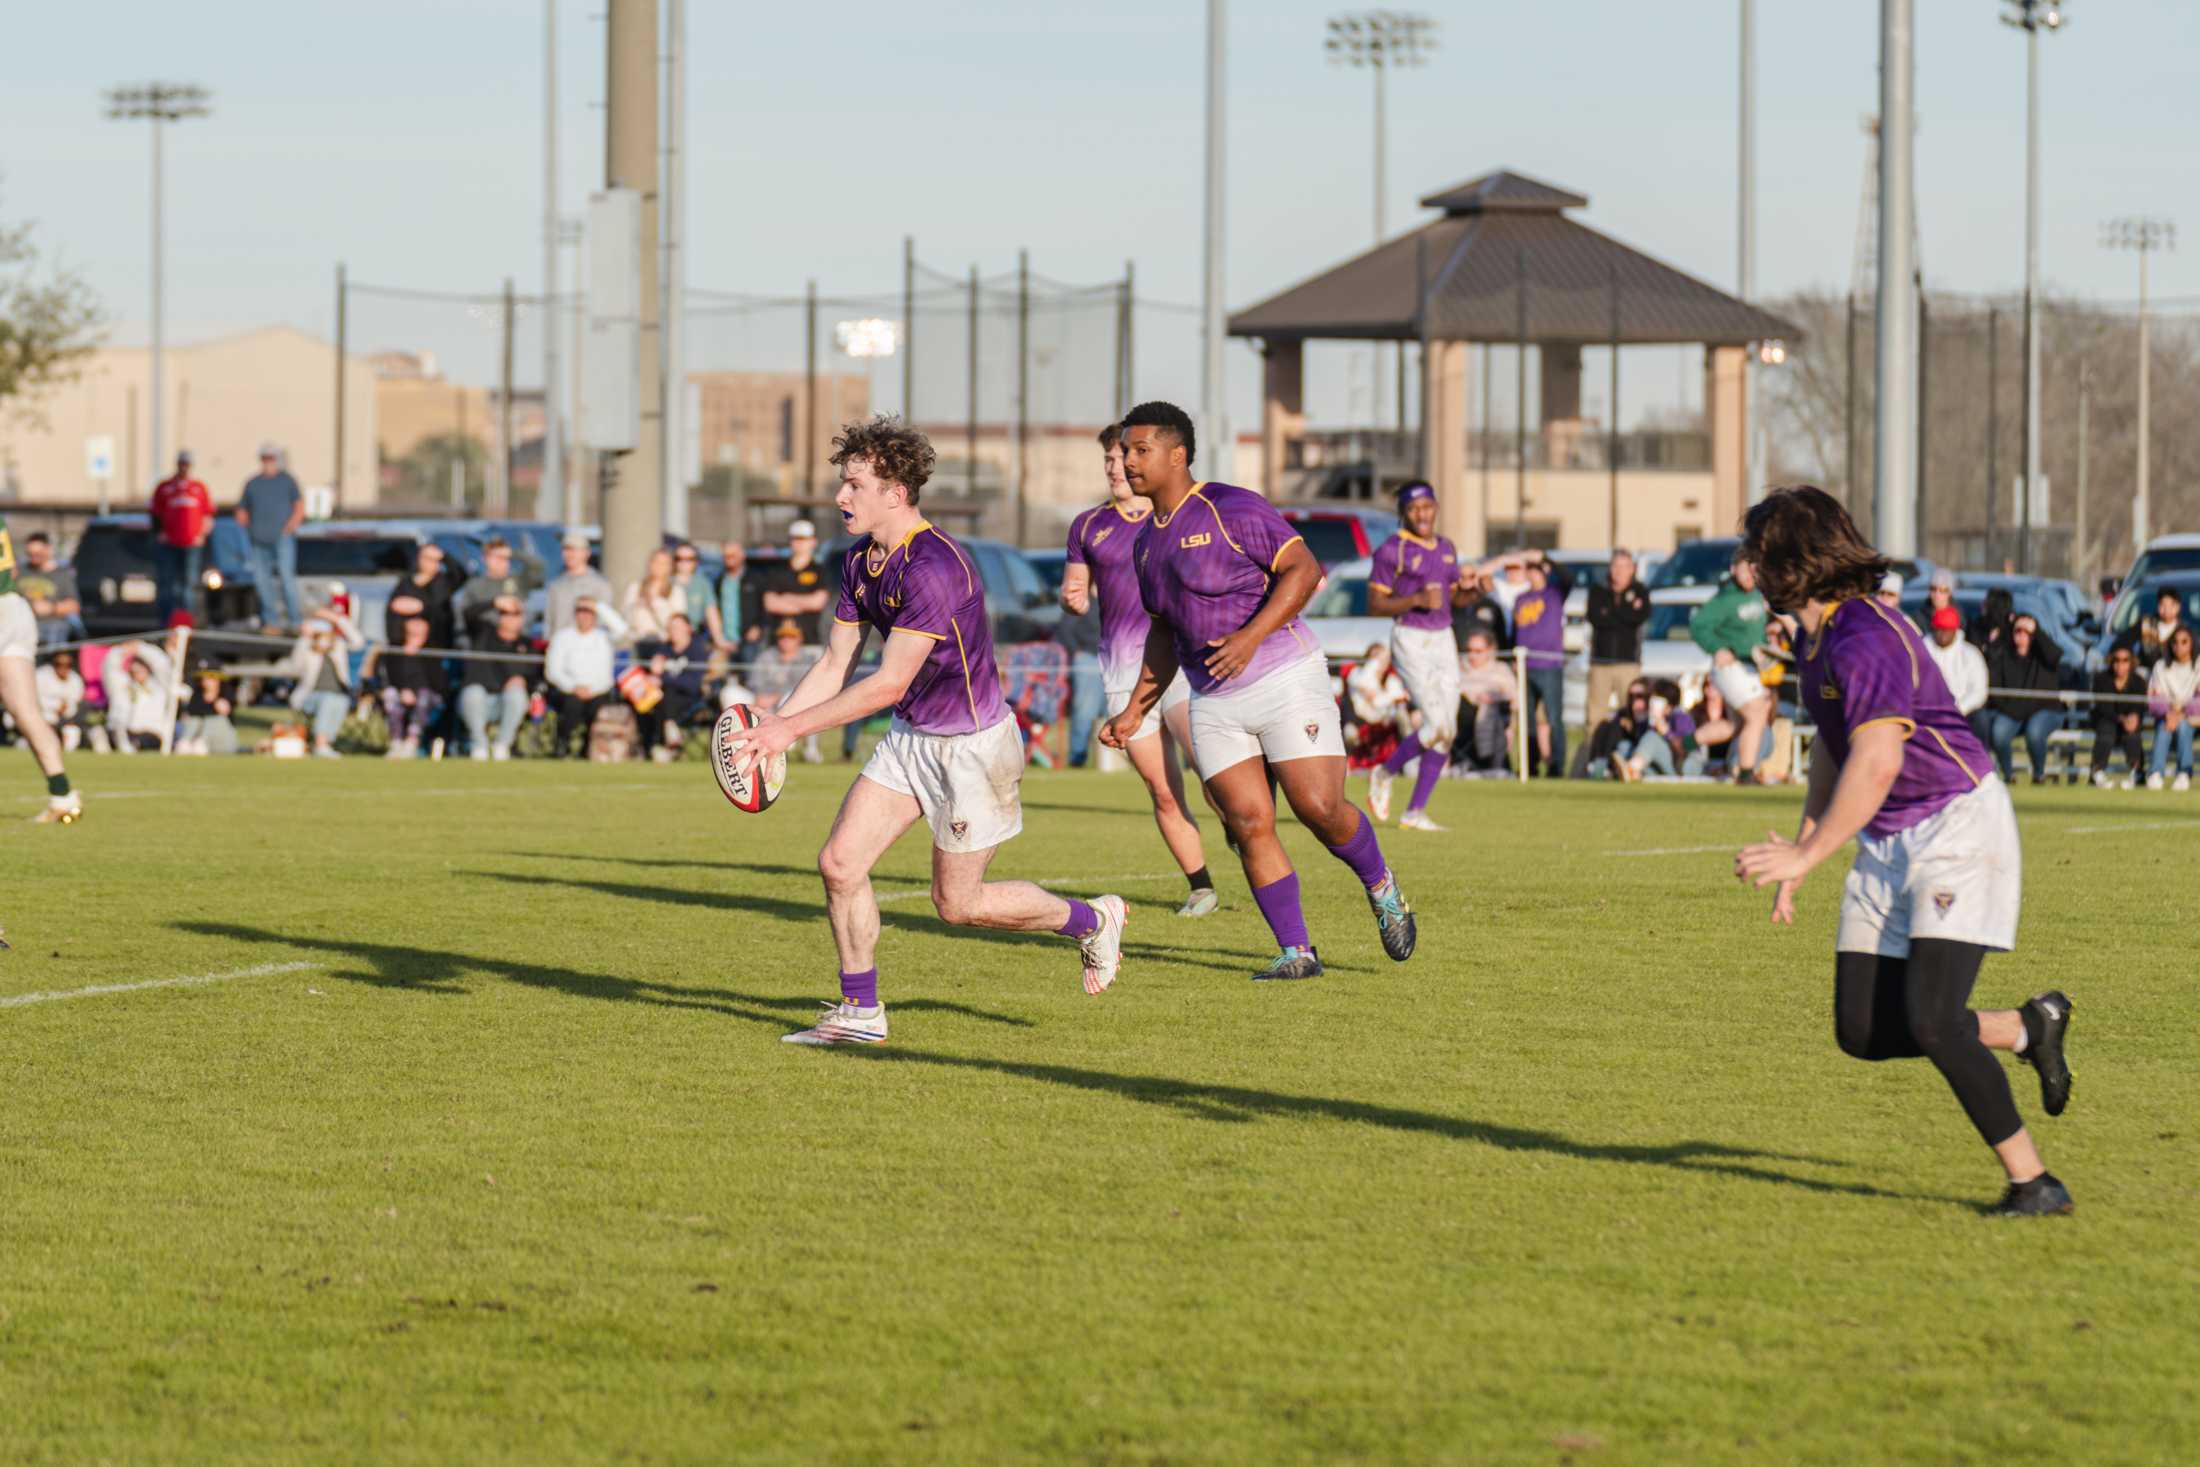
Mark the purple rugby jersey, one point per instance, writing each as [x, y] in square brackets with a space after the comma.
[1867, 665]
[1204, 572]
[1104, 539]
[1405, 564]
[926, 585]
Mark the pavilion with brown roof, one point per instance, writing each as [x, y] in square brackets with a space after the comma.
[1505, 264]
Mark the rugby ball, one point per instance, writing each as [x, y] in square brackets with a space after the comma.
[739, 784]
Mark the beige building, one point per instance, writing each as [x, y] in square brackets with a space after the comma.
[224, 398]
[759, 424]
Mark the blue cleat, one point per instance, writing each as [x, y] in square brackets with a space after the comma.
[1292, 962]
[1393, 918]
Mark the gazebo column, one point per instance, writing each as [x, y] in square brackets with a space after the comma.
[1282, 409]
[1444, 374]
[1726, 418]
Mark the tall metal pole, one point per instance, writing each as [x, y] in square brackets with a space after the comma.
[1746, 243]
[907, 345]
[336, 479]
[2031, 294]
[157, 103]
[1214, 412]
[970, 400]
[501, 501]
[550, 496]
[2141, 508]
[673, 387]
[1993, 436]
[633, 511]
[1924, 415]
[1489, 357]
[2081, 562]
[585, 473]
[1130, 333]
[1520, 401]
[160, 396]
[809, 390]
[1894, 449]
[1611, 427]
[1023, 397]
[1848, 411]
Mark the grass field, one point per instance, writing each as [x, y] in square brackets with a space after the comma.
[479, 1145]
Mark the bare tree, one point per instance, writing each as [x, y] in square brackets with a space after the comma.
[49, 322]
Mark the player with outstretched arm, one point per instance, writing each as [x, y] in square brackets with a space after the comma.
[952, 756]
[1099, 567]
[1225, 577]
[1938, 875]
[1413, 579]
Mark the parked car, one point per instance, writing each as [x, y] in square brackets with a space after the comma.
[2027, 601]
[1667, 649]
[119, 587]
[2163, 554]
[1698, 563]
[2064, 601]
[1337, 532]
[2138, 599]
[1051, 566]
[1338, 614]
[363, 559]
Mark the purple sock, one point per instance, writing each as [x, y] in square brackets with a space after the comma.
[1083, 921]
[860, 989]
[1403, 754]
[1362, 854]
[1432, 769]
[1279, 903]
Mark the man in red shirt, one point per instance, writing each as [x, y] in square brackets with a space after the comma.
[183, 517]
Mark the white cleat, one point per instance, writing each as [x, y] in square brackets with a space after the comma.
[844, 1023]
[1378, 793]
[2182, 782]
[61, 810]
[1103, 951]
[2101, 781]
[1199, 903]
[2154, 781]
[1418, 820]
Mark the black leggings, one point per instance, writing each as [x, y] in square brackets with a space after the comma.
[1901, 1008]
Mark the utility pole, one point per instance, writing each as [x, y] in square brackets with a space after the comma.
[550, 494]
[970, 396]
[2081, 562]
[158, 102]
[501, 496]
[673, 387]
[336, 480]
[2143, 237]
[908, 328]
[1894, 448]
[1746, 244]
[1023, 397]
[1214, 411]
[1520, 400]
[634, 497]
[809, 395]
[1993, 436]
[2031, 17]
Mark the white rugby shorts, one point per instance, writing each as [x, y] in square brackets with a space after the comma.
[18, 627]
[1289, 714]
[966, 784]
[1426, 660]
[1178, 691]
[1739, 683]
[1956, 876]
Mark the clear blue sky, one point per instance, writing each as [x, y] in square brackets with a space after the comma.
[404, 137]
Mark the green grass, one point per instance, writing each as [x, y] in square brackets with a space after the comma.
[497, 1158]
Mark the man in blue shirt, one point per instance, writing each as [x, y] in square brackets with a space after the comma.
[270, 513]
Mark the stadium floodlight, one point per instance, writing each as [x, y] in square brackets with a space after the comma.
[1772, 353]
[2031, 17]
[873, 336]
[157, 102]
[1380, 40]
[2143, 237]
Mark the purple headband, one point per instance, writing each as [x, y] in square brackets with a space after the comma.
[1413, 491]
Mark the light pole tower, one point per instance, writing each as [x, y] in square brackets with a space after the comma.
[2031, 17]
[1214, 397]
[158, 102]
[1380, 40]
[2144, 237]
[550, 492]
[1894, 445]
[1745, 233]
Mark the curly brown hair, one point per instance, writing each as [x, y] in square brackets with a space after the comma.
[1806, 548]
[898, 453]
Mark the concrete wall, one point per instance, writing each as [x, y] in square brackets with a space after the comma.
[224, 397]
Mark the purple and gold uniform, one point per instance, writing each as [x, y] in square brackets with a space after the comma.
[1868, 665]
[1104, 540]
[927, 585]
[1204, 571]
[1405, 565]
[1941, 858]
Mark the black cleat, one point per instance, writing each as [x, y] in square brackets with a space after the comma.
[2046, 1023]
[1291, 963]
[2043, 1196]
[1393, 919]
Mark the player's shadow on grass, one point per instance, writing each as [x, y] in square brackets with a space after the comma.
[425, 970]
[897, 914]
[1236, 1105]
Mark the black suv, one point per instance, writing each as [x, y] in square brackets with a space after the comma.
[119, 586]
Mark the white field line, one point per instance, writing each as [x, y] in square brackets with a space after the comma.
[1053, 883]
[2133, 825]
[1732, 845]
[101, 990]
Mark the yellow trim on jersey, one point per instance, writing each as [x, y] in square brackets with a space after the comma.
[840, 620]
[970, 582]
[1955, 758]
[970, 695]
[1286, 545]
[1128, 519]
[1905, 641]
[1909, 725]
[913, 632]
[1220, 528]
[1406, 534]
[1162, 520]
[1371, 585]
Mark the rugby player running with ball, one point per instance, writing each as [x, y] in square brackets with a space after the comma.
[1225, 577]
[1938, 875]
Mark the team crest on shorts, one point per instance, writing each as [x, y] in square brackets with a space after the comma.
[958, 828]
[1313, 733]
[1942, 901]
